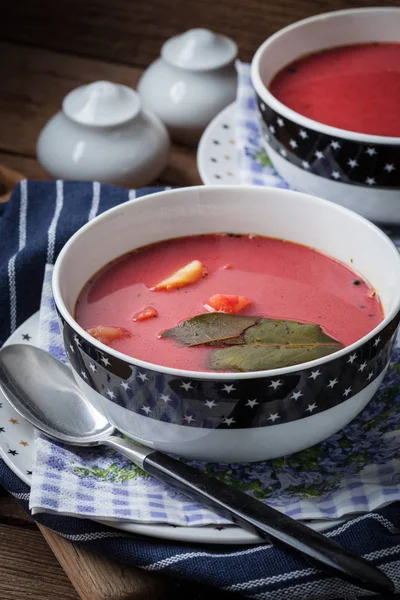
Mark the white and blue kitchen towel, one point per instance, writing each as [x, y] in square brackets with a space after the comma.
[255, 166]
[34, 225]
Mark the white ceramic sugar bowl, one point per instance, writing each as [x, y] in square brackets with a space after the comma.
[103, 134]
[192, 81]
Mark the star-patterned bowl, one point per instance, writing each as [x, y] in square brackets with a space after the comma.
[226, 417]
[359, 171]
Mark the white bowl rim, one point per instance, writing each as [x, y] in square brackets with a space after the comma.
[204, 375]
[292, 115]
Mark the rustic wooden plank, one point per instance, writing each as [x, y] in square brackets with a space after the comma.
[94, 577]
[98, 578]
[28, 568]
[12, 513]
[181, 169]
[133, 32]
[23, 164]
[8, 180]
[32, 85]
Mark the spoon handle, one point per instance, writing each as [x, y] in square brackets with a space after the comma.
[250, 514]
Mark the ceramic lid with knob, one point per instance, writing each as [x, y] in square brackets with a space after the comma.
[199, 50]
[102, 104]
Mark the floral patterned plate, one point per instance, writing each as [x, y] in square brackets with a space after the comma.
[17, 439]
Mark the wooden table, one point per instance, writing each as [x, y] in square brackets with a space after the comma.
[48, 48]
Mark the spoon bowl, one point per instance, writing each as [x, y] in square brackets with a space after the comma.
[60, 410]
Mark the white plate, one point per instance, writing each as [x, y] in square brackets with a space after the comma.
[17, 438]
[217, 154]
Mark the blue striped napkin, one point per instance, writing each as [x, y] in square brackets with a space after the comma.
[34, 225]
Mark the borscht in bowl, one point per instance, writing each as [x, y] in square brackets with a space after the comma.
[328, 91]
[230, 324]
[227, 302]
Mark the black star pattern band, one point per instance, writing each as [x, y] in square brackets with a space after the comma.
[337, 159]
[233, 403]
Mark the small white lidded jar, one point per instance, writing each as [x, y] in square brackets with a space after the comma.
[193, 80]
[102, 133]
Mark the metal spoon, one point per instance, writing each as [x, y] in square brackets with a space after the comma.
[43, 391]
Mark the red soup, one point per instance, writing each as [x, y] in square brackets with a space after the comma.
[353, 87]
[227, 302]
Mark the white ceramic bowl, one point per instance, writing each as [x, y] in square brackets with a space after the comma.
[229, 431]
[359, 171]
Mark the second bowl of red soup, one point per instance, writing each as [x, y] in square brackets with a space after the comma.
[328, 90]
[229, 324]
